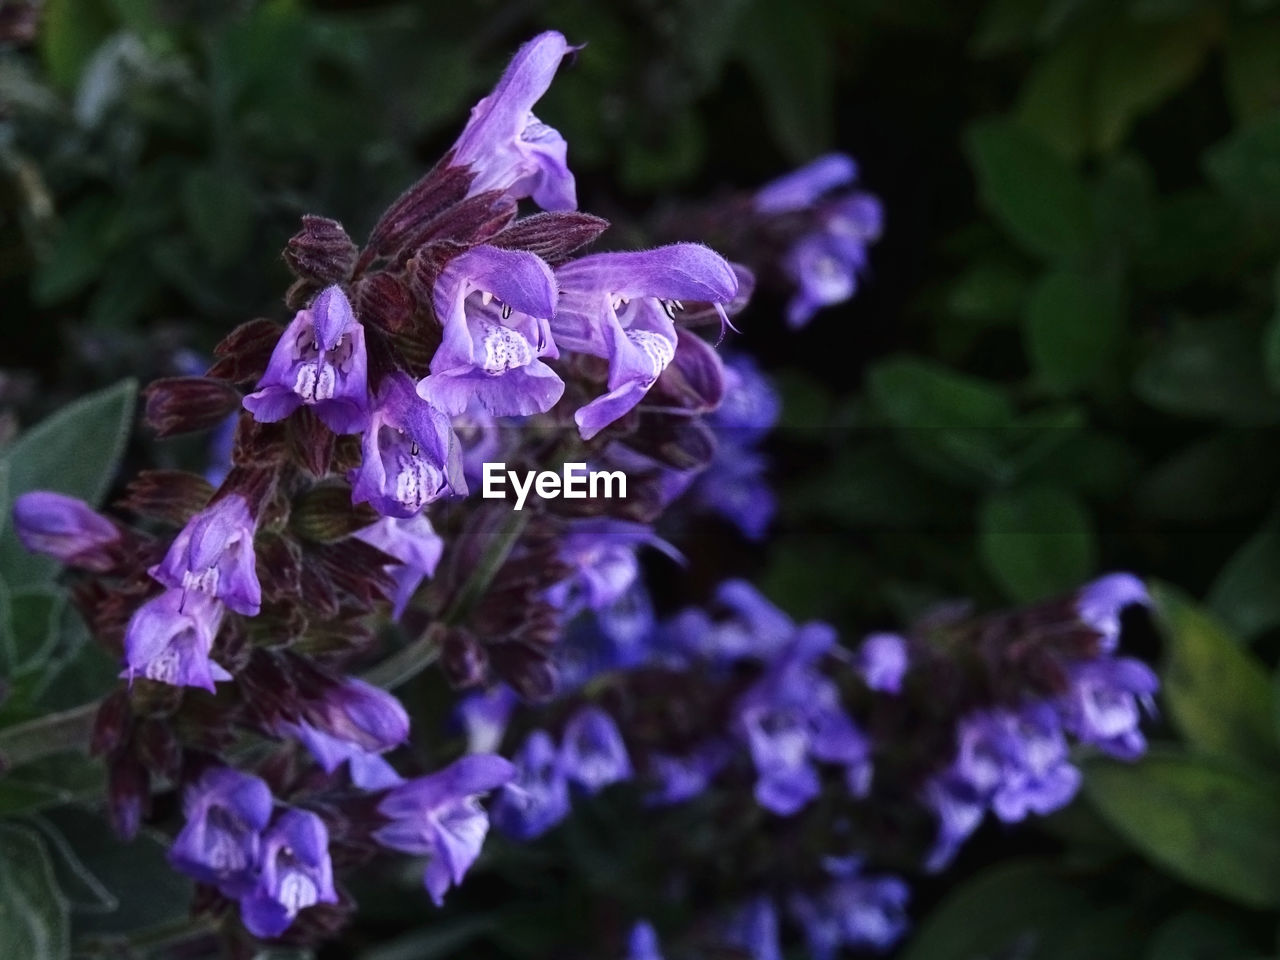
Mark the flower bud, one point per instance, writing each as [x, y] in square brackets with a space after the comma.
[110, 724]
[128, 795]
[552, 236]
[244, 353]
[171, 496]
[463, 659]
[65, 528]
[326, 514]
[321, 251]
[185, 404]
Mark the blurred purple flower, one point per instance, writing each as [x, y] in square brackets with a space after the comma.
[1100, 603]
[296, 873]
[642, 944]
[538, 796]
[592, 753]
[67, 529]
[882, 661]
[226, 811]
[1105, 704]
[753, 927]
[857, 912]
[412, 541]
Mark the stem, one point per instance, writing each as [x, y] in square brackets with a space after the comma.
[47, 735]
[406, 663]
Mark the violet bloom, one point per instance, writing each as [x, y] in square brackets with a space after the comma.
[506, 146]
[415, 543]
[360, 713]
[213, 555]
[295, 873]
[792, 718]
[643, 944]
[622, 306]
[411, 456]
[882, 661]
[825, 261]
[1099, 604]
[67, 529]
[753, 927]
[959, 809]
[538, 797]
[592, 753]
[751, 406]
[484, 717]
[440, 816]
[734, 486]
[751, 627]
[495, 306]
[1105, 703]
[226, 811]
[367, 769]
[683, 778]
[859, 913]
[602, 555]
[169, 640]
[320, 361]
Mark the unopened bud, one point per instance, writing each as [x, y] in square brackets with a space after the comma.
[321, 251]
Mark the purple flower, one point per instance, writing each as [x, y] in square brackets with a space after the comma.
[854, 912]
[683, 778]
[367, 769]
[753, 927]
[602, 555]
[481, 440]
[802, 188]
[538, 797]
[440, 816]
[882, 661]
[360, 713]
[751, 405]
[484, 718]
[506, 146]
[226, 811]
[415, 543]
[1105, 703]
[734, 487]
[67, 529]
[959, 810]
[213, 555]
[295, 873]
[1100, 603]
[495, 306]
[621, 306]
[643, 944]
[753, 627]
[592, 753]
[320, 361]
[793, 717]
[169, 639]
[823, 262]
[411, 456]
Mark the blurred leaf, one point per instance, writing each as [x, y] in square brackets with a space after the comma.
[1074, 326]
[784, 46]
[1005, 25]
[1125, 204]
[82, 890]
[75, 452]
[871, 485]
[1246, 166]
[78, 253]
[1216, 691]
[1056, 97]
[1195, 235]
[989, 290]
[33, 913]
[219, 210]
[51, 782]
[1036, 542]
[1202, 482]
[69, 33]
[1094, 464]
[1209, 368]
[1031, 190]
[1245, 593]
[1210, 826]
[1196, 935]
[1271, 339]
[1020, 907]
[1252, 69]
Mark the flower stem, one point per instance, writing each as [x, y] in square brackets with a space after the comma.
[44, 736]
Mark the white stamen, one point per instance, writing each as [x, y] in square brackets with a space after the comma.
[657, 348]
[504, 349]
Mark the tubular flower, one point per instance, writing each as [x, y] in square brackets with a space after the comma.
[169, 640]
[67, 529]
[213, 555]
[295, 873]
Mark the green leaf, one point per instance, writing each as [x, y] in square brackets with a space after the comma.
[1055, 102]
[219, 209]
[70, 31]
[1203, 483]
[75, 452]
[1073, 329]
[33, 913]
[1216, 691]
[1197, 935]
[1246, 166]
[1031, 190]
[1209, 825]
[1252, 71]
[785, 47]
[1018, 906]
[1005, 25]
[78, 253]
[1036, 542]
[1271, 338]
[1245, 593]
[1209, 368]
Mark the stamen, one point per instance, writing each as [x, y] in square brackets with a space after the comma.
[506, 311]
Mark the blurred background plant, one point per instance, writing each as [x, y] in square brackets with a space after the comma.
[1064, 359]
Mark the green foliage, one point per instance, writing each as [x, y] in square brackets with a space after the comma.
[33, 913]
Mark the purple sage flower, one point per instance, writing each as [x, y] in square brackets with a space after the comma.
[484, 717]
[882, 661]
[750, 627]
[1105, 704]
[67, 529]
[495, 306]
[368, 770]
[220, 844]
[295, 873]
[622, 306]
[506, 146]
[642, 944]
[360, 713]
[753, 927]
[793, 717]
[537, 798]
[440, 816]
[213, 555]
[801, 189]
[411, 456]
[415, 543]
[860, 913]
[1100, 603]
[169, 640]
[592, 753]
[320, 361]
[602, 555]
